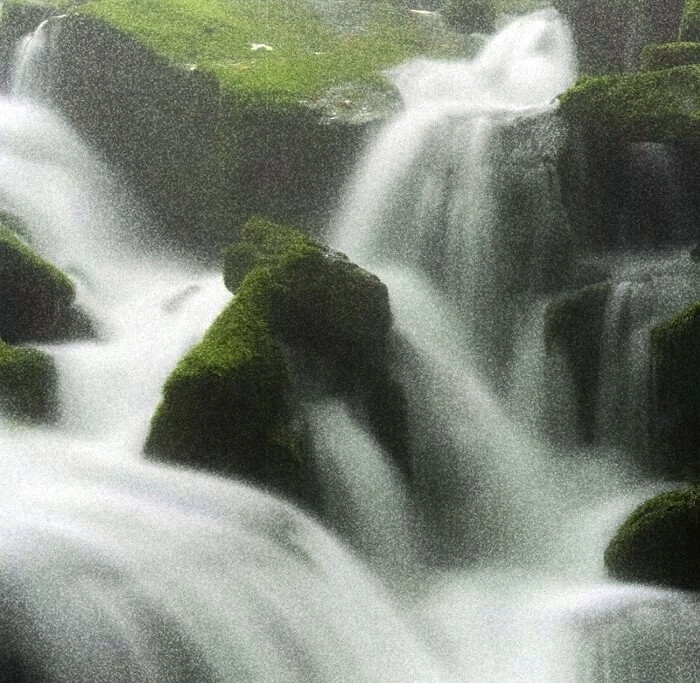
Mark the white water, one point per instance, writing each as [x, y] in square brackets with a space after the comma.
[467, 281]
[114, 569]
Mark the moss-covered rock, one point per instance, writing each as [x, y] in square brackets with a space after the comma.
[217, 111]
[227, 405]
[28, 383]
[37, 298]
[574, 324]
[690, 23]
[653, 106]
[676, 392]
[668, 55]
[658, 542]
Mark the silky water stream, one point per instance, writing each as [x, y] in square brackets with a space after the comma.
[116, 569]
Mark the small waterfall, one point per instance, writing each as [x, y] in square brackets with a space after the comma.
[31, 76]
[650, 289]
[362, 494]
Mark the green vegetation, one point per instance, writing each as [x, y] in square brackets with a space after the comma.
[28, 383]
[658, 543]
[669, 55]
[690, 23]
[37, 296]
[657, 106]
[676, 384]
[226, 406]
[282, 48]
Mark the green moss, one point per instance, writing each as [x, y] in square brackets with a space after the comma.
[226, 404]
[37, 296]
[659, 106]
[308, 53]
[669, 55]
[690, 23]
[28, 383]
[658, 543]
[676, 387]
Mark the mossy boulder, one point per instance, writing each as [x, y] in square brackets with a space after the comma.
[676, 392]
[656, 57]
[653, 106]
[574, 324]
[658, 542]
[311, 285]
[37, 298]
[228, 404]
[28, 383]
[690, 23]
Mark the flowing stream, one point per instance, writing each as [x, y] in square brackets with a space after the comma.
[488, 568]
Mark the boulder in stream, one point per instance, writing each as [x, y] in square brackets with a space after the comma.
[37, 298]
[658, 542]
[229, 404]
[28, 383]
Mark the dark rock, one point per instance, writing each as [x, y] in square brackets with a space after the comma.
[37, 298]
[609, 36]
[658, 543]
[574, 324]
[28, 384]
[676, 393]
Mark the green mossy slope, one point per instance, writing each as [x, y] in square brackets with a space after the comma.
[37, 298]
[309, 51]
[28, 383]
[658, 543]
[226, 406]
[655, 106]
[669, 55]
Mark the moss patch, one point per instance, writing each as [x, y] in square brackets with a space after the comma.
[28, 383]
[669, 55]
[658, 543]
[282, 48]
[676, 392]
[227, 406]
[37, 298]
[654, 106]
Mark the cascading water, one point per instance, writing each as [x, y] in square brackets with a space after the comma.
[126, 571]
[119, 570]
[457, 208]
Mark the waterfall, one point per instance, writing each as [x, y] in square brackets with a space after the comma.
[118, 568]
[485, 564]
[457, 207]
